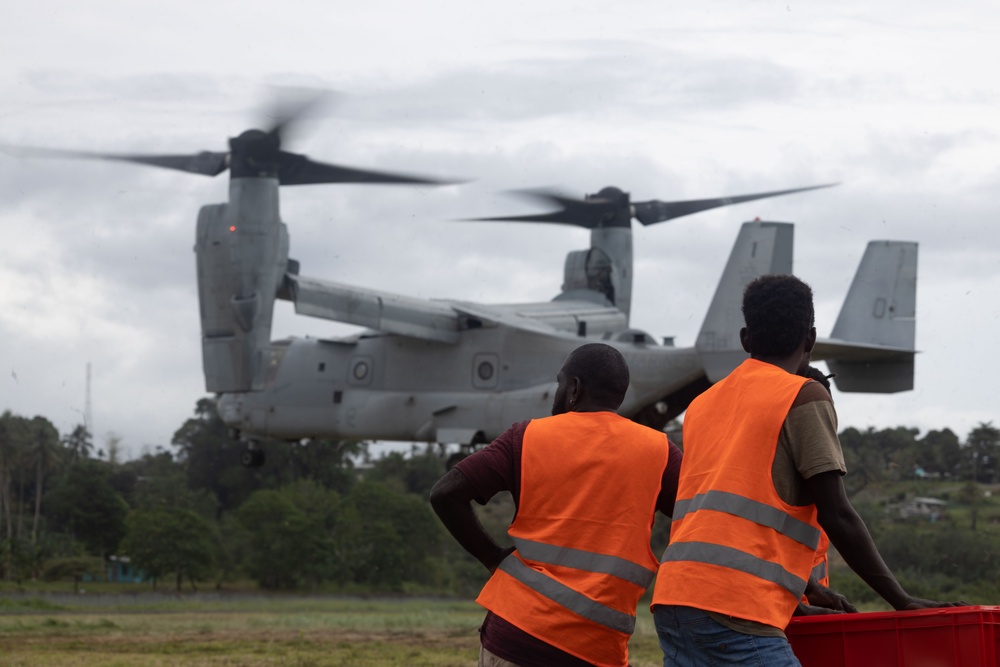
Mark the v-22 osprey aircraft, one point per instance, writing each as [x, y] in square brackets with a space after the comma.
[459, 372]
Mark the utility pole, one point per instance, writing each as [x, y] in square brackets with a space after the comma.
[88, 417]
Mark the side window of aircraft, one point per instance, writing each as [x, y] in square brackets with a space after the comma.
[361, 370]
[485, 370]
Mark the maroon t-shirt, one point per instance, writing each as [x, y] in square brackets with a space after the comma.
[497, 468]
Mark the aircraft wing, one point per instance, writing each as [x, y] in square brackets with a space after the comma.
[384, 311]
[574, 317]
[442, 321]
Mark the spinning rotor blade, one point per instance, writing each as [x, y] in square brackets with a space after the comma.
[293, 105]
[611, 208]
[589, 213]
[653, 211]
[254, 153]
[296, 169]
[205, 162]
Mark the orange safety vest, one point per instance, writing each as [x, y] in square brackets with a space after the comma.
[821, 563]
[589, 485]
[735, 547]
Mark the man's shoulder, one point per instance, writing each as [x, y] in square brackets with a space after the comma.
[811, 392]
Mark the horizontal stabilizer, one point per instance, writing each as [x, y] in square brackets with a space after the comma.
[873, 377]
[761, 248]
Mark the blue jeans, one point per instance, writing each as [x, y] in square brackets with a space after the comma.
[691, 638]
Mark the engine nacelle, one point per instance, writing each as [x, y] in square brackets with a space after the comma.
[242, 255]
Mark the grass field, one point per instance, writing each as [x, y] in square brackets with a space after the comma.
[111, 630]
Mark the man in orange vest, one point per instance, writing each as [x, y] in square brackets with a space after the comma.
[761, 474]
[586, 483]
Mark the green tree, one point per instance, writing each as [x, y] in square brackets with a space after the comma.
[73, 567]
[211, 457]
[400, 533]
[416, 473]
[330, 463]
[163, 541]
[897, 450]
[83, 503]
[44, 456]
[327, 555]
[80, 443]
[972, 496]
[156, 481]
[864, 464]
[940, 451]
[982, 448]
[232, 548]
[282, 538]
[13, 448]
[13, 436]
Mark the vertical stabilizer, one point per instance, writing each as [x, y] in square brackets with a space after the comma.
[872, 344]
[761, 248]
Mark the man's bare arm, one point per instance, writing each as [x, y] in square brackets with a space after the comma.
[451, 499]
[850, 535]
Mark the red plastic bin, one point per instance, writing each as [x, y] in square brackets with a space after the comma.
[948, 637]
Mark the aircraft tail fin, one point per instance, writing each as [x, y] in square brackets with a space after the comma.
[871, 348]
[761, 248]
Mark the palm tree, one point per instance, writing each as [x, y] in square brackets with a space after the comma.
[11, 444]
[45, 454]
[79, 443]
[12, 438]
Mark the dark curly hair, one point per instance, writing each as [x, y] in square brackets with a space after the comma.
[603, 371]
[778, 311]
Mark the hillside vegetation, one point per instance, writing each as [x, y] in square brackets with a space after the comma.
[328, 517]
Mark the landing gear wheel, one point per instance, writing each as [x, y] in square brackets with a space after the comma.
[252, 458]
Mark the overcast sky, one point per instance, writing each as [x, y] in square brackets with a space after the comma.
[895, 100]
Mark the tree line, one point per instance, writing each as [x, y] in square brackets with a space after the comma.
[326, 515]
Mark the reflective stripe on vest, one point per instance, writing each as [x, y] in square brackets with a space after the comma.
[819, 572]
[588, 561]
[716, 554]
[751, 510]
[567, 597]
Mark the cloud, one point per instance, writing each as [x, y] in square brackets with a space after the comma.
[663, 102]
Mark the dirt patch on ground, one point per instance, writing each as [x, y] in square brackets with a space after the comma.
[426, 638]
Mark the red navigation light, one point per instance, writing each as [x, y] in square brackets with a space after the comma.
[232, 228]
